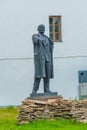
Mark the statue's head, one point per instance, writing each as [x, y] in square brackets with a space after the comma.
[41, 28]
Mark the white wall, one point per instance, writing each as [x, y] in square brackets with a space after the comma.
[18, 21]
[16, 80]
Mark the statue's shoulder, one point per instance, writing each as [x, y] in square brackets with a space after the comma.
[35, 35]
[48, 37]
[35, 38]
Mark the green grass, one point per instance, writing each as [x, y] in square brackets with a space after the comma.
[8, 121]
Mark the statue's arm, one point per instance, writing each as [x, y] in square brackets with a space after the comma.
[36, 38]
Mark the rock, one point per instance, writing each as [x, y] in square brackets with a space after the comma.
[51, 108]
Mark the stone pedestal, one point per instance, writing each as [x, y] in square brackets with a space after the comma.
[44, 108]
[50, 108]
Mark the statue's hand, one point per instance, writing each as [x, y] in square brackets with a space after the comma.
[40, 40]
[36, 39]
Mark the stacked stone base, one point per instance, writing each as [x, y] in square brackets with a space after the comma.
[31, 110]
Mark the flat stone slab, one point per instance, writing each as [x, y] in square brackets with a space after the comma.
[44, 96]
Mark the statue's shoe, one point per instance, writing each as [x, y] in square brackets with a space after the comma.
[34, 92]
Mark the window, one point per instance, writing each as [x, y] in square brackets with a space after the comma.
[55, 28]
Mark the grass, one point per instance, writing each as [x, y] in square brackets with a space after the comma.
[8, 121]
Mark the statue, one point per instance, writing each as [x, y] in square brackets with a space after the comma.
[43, 59]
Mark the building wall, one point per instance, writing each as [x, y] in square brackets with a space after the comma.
[18, 21]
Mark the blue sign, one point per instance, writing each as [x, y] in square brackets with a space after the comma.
[82, 76]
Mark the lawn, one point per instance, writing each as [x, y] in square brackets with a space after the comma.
[8, 121]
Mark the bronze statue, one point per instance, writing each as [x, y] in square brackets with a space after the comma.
[43, 59]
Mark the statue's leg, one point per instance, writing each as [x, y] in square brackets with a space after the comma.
[46, 84]
[46, 80]
[36, 85]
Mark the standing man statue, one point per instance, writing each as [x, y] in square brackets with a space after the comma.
[43, 59]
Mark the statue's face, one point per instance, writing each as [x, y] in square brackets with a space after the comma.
[41, 28]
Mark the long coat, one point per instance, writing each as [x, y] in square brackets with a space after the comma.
[39, 59]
